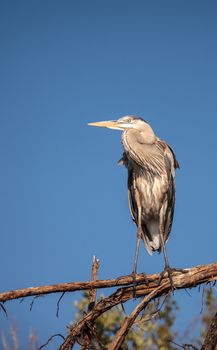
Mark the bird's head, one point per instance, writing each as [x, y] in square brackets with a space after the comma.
[126, 122]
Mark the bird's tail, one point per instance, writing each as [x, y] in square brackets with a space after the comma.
[151, 236]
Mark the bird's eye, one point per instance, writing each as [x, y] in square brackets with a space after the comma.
[129, 120]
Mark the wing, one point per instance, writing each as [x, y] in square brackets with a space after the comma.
[132, 204]
[152, 161]
[170, 165]
[131, 199]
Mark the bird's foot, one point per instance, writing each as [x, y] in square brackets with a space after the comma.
[167, 270]
[134, 283]
[133, 275]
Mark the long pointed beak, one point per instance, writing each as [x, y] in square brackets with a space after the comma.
[111, 124]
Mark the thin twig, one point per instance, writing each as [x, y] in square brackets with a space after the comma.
[187, 292]
[49, 340]
[3, 308]
[58, 304]
[172, 342]
[32, 302]
[184, 346]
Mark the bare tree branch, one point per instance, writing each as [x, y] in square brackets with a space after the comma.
[184, 346]
[3, 308]
[89, 331]
[210, 341]
[92, 292]
[49, 340]
[195, 276]
[128, 322]
[188, 278]
[32, 302]
[58, 303]
[182, 279]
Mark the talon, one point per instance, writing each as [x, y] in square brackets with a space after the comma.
[133, 275]
[118, 279]
[169, 271]
[146, 278]
[134, 283]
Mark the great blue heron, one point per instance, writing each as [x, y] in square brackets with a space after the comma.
[151, 165]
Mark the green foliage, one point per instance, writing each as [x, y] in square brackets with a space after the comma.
[152, 330]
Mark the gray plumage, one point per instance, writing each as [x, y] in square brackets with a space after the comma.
[151, 165]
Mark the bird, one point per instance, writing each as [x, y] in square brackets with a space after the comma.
[151, 165]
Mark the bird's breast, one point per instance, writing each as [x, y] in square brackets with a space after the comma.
[152, 193]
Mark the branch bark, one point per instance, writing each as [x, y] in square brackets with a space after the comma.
[210, 341]
[187, 278]
[194, 275]
[92, 292]
[129, 321]
[88, 333]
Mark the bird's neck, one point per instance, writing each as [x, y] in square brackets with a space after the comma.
[148, 135]
[138, 136]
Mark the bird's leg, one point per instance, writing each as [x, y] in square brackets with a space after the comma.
[167, 267]
[139, 235]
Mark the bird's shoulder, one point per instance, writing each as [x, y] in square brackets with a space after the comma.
[167, 152]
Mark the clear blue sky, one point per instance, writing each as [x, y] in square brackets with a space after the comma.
[62, 196]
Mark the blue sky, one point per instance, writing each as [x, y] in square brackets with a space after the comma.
[63, 197]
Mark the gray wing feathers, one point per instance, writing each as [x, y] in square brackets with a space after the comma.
[170, 165]
[151, 163]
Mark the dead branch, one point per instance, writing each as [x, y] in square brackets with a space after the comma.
[49, 340]
[194, 276]
[92, 292]
[89, 331]
[187, 279]
[129, 321]
[58, 304]
[3, 308]
[184, 346]
[210, 341]
[182, 279]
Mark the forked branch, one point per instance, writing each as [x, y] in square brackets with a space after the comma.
[193, 276]
[187, 278]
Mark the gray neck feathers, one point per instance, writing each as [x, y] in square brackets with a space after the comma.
[142, 137]
[141, 148]
[147, 135]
